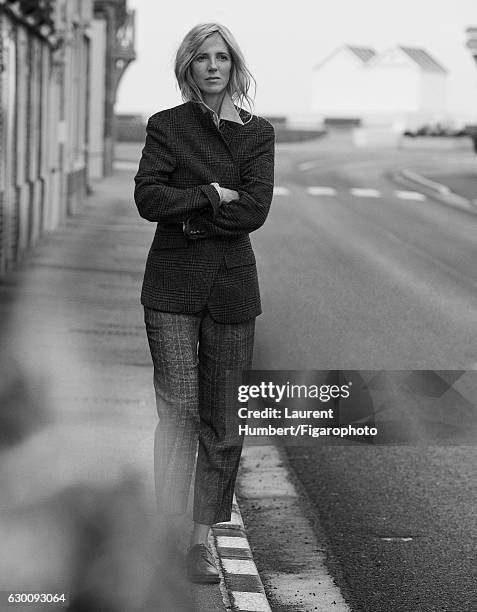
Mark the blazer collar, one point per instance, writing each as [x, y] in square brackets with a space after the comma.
[227, 111]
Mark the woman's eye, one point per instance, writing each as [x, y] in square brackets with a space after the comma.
[201, 58]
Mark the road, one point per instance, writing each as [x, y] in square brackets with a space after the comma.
[370, 282]
[357, 275]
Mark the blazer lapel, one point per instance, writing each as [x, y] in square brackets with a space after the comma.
[226, 134]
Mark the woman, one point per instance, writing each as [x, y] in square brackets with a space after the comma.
[206, 179]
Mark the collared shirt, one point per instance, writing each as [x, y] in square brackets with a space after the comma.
[228, 112]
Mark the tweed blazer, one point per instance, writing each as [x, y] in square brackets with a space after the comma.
[201, 255]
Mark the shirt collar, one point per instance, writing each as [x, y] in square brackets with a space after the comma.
[227, 110]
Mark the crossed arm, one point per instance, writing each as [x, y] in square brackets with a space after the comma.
[248, 211]
[155, 199]
[201, 208]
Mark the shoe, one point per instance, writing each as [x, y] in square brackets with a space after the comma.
[201, 566]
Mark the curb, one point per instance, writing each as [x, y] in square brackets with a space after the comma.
[433, 189]
[244, 589]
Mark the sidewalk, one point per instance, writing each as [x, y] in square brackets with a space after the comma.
[83, 363]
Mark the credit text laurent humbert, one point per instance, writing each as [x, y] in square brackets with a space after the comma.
[286, 413]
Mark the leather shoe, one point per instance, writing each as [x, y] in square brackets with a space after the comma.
[201, 566]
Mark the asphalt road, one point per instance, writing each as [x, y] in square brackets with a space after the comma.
[377, 282]
[364, 282]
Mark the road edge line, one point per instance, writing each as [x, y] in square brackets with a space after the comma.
[269, 484]
[433, 189]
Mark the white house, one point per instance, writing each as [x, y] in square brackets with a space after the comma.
[339, 83]
[404, 85]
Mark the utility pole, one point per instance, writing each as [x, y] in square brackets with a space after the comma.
[120, 52]
[472, 41]
[472, 46]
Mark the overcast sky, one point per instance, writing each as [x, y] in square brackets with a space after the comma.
[283, 41]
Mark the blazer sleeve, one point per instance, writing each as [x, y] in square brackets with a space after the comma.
[155, 199]
[246, 215]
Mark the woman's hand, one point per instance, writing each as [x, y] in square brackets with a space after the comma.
[229, 195]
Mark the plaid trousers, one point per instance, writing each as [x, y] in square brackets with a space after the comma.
[195, 359]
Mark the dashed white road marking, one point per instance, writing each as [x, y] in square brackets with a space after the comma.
[365, 193]
[358, 192]
[256, 602]
[239, 566]
[317, 190]
[125, 165]
[310, 164]
[281, 191]
[231, 542]
[410, 195]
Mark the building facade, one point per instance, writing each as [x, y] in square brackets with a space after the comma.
[405, 85]
[338, 83]
[53, 98]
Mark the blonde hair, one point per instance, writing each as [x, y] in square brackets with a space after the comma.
[240, 76]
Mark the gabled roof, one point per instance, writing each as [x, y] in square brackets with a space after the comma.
[419, 56]
[363, 53]
[422, 58]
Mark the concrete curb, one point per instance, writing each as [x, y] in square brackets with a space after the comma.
[244, 588]
[433, 189]
[293, 548]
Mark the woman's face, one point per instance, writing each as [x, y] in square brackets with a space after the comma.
[211, 65]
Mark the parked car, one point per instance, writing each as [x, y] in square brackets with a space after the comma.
[438, 130]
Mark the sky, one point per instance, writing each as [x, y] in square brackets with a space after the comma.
[283, 41]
